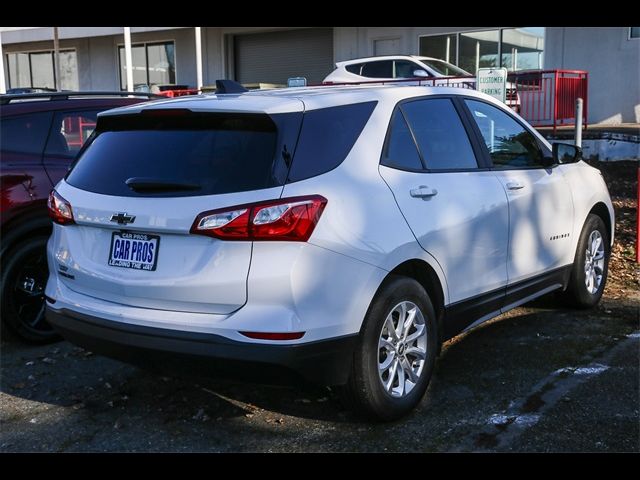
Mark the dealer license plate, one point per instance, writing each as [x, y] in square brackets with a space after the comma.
[134, 250]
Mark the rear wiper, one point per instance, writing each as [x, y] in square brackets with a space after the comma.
[140, 184]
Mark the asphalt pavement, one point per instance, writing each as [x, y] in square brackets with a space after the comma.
[538, 379]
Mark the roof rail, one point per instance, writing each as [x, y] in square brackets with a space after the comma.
[6, 99]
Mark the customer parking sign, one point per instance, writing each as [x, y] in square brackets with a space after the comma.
[493, 81]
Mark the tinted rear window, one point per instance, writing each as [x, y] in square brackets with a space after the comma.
[326, 138]
[212, 153]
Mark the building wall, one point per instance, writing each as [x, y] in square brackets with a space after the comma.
[98, 56]
[354, 42]
[613, 63]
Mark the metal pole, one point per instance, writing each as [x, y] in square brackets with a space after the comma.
[56, 59]
[198, 58]
[128, 58]
[3, 87]
[579, 122]
[448, 48]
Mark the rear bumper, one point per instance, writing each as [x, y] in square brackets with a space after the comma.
[326, 362]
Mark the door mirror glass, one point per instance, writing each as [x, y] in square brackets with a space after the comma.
[420, 73]
[566, 153]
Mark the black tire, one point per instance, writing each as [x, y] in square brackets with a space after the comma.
[23, 311]
[577, 294]
[364, 392]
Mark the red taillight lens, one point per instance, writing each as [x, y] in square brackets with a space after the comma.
[59, 209]
[291, 219]
[273, 335]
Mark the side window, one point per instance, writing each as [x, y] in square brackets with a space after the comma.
[25, 133]
[326, 138]
[400, 150]
[509, 143]
[69, 132]
[381, 69]
[355, 68]
[405, 69]
[441, 137]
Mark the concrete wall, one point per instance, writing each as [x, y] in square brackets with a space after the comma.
[613, 63]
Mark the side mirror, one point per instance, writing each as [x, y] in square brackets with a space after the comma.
[566, 153]
[420, 73]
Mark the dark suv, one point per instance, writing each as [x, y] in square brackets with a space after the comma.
[40, 135]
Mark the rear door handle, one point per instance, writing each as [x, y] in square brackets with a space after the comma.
[423, 192]
[515, 185]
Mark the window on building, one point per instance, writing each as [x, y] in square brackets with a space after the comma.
[512, 48]
[36, 70]
[153, 64]
[444, 47]
[479, 50]
[634, 32]
[522, 48]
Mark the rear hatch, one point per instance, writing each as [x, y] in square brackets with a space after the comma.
[137, 188]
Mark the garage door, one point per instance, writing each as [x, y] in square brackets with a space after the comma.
[275, 56]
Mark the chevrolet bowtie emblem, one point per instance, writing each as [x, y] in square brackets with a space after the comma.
[123, 218]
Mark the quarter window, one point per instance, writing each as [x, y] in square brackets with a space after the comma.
[510, 145]
[326, 138]
[400, 150]
[355, 68]
[441, 137]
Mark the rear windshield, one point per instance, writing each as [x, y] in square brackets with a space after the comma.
[185, 155]
[174, 153]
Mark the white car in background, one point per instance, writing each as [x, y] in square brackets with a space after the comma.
[406, 67]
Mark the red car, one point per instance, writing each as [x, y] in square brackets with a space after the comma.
[40, 135]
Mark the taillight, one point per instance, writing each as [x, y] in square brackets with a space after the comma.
[59, 209]
[291, 219]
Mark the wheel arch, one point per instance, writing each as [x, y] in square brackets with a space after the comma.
[425, 275]
[601, 210]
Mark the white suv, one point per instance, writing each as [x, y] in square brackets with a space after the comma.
[341, 232]
[410, 69]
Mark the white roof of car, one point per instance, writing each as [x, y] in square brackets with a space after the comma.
[284, 100]
[383, 57]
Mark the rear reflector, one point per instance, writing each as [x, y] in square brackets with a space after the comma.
[273, 336]
[286, 219]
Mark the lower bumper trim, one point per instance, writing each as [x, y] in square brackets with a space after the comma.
[326, 362]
